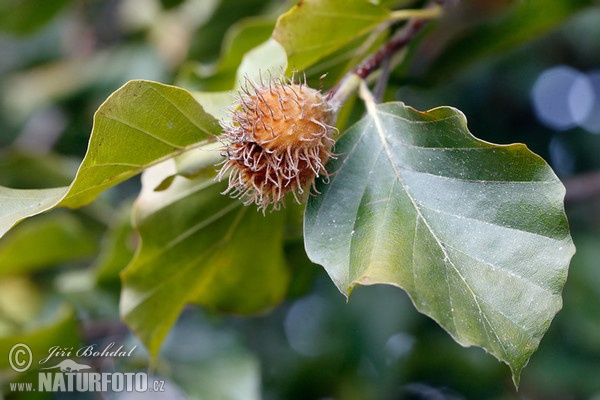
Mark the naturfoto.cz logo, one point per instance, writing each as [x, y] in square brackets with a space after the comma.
[69, 375]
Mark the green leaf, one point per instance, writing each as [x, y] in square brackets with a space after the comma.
[139, 125]
[313, 29]
[198, 246]
[209, 362]
[206, 42]
[474, 232]
[56, 238]
[18, 204]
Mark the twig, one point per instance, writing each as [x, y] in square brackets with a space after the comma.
[348, 84]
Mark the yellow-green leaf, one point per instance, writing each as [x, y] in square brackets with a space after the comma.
[198, 246]
[313, 29]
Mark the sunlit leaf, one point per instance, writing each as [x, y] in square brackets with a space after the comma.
[313, 29]
[117, 248]
[198, 246]
[139, 125]
[474, 232]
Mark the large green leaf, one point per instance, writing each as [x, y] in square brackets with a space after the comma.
[313, 29]
[474, 232]
[198, 246]
[139, 125]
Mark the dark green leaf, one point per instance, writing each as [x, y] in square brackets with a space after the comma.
[474, 232]
[117, 248]
[198, 246]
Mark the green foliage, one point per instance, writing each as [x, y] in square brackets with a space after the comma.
[314, 29]
[490, 33]
[59, 330]
[475, 233]
[197, 247]
[240, 39]
[57, 238]
[25, 16]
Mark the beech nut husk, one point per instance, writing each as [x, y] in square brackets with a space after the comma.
[278, 141]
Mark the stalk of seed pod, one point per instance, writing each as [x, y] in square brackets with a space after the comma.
[278, 141]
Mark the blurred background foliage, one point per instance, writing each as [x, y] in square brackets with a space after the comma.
[522, 71]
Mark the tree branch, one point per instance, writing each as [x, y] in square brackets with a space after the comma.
[348, 84]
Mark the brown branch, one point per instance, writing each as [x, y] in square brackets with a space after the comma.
[398, 41]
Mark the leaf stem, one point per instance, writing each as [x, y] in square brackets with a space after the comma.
[425, 13]
[349, 83]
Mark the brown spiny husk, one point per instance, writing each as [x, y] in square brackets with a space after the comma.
[278, 141]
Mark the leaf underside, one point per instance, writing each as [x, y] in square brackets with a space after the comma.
[474, 232]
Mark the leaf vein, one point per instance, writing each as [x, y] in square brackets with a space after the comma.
[137, 128]
[371, 108]
[184, 113]
[457, 216]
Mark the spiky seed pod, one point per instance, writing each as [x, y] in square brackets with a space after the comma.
[278, 141]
